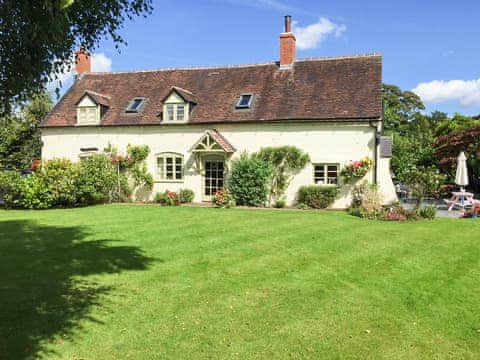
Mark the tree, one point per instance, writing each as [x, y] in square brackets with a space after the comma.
[20, 141]
[286, 162]
[456, 123]
[447, 147]
[423, 182]
[37, 39]
[400, 107]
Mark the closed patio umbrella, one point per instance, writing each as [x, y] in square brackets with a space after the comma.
[461, 177]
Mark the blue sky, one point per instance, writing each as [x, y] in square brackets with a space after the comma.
[431, 46]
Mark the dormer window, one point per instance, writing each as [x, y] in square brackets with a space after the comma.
[135, 105]
[245, 101]
[91, 107]
[177, 106]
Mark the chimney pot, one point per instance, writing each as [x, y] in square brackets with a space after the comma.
[287, 45]
[288, 23]
[82, 61]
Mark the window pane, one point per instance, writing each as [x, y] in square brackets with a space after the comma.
[160, 168]
[135, 105]
[82, 115]
[170, 113]
[244, 100]
[180, 112]
[92, 114]
[319, 174]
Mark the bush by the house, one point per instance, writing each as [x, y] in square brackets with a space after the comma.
[249, 180]
[317, 197]
[280, 203]
[366, 201]
[35, 193]
[223, 199]
[98, 180]
[62, 177]
[186, 196]
[167, 198]
[11, 188]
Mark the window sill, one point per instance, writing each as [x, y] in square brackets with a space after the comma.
[169, 181]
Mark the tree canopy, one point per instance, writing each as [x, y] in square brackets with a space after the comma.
[37, 39]
[20, 141]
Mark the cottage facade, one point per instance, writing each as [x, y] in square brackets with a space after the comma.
[196, 120]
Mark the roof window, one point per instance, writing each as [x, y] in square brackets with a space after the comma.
[245, 101]
[135, 105]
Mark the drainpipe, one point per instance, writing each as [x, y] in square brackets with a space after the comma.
[377, 134]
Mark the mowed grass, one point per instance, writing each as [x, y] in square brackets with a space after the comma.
[149, 282]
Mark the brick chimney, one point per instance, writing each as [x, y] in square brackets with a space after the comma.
[82, 62]
[287, 45]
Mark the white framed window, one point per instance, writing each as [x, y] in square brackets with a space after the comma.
[169, 167]
[135, 105]
[88, 115]
[177, 112]
[244, 101]
[326, 174]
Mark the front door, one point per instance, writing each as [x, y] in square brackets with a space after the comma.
[213, 179]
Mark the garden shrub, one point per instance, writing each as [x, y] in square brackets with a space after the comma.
[167, 198]
[11, 188]
[249, 180]
[280, 203]
[62, 178]
[428, 212]
[316, 196]
[367, 200]
[223, 199]
[98, 179]
[35, 193]
[186, 196]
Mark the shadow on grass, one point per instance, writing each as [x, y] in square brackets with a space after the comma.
[41, 295]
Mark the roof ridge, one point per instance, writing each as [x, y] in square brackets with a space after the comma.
[98, 94]
[182, 89]
[234, 66]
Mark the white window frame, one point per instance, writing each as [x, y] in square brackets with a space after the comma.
[161, 174]
[326, 178]
[175, 119]
[138, 108]
[84, 119]
[250, 100]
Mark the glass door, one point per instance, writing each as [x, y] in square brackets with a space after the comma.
[213, 179]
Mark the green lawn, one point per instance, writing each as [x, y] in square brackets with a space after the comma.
[146, 282]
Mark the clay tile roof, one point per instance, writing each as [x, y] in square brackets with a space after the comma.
[226, 146]
[185, 94]
[329, 89]
[98, 98]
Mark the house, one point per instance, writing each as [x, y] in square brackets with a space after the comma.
[196, 120]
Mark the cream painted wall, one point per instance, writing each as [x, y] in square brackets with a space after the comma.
[325, 143]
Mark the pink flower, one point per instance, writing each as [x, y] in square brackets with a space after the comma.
[356, 164]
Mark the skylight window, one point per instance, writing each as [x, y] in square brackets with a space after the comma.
[245, 101]
[135, 105]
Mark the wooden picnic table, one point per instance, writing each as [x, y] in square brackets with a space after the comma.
[456, 200]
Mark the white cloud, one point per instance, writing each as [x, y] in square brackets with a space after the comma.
[100, 63]
[311, 36]
[467, 92]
